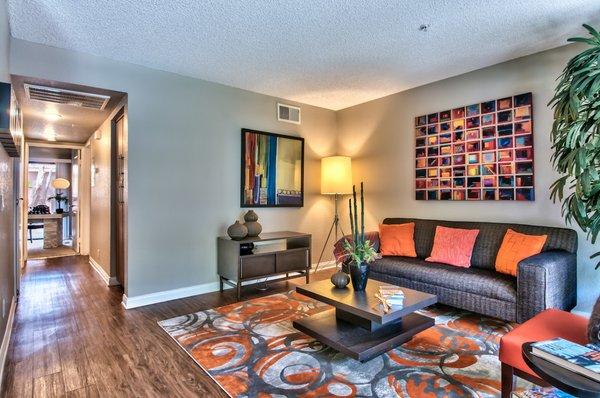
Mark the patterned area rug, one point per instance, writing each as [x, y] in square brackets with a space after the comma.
[251, 350]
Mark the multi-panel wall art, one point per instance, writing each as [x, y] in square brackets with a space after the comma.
[477, 152]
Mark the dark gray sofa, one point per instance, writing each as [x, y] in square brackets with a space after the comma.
[546, 280]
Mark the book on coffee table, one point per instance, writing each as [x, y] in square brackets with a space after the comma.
[584, 360]
[392, 295]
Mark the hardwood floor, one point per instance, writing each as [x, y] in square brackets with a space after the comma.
[73, 338]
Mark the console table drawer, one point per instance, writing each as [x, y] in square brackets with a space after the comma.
[292, 260]
[255, 266]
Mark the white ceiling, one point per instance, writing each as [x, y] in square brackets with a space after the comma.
[327, 53]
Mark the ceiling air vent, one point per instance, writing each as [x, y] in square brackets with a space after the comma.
[66, 97]
[288, 113]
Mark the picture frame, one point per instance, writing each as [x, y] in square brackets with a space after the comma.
[272, 170]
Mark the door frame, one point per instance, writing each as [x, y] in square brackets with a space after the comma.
[119, 248]
[25, 188]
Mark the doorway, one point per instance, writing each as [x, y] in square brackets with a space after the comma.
[52, 200]
[74, 174]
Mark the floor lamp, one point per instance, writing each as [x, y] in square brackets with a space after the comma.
[336, 180]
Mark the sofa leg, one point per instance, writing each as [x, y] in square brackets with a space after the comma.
[508, 380]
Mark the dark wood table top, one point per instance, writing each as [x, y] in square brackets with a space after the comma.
[561, 378]
[365, 304]
[267, 236]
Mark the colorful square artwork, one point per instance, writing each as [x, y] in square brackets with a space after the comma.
[482, 151]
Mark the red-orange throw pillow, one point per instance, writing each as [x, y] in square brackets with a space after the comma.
[397, 239]
[516, 247]
[453, 246]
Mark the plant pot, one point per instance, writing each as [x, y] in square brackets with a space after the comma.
[340, 279]
[594, 325]
[59, 211]
[359, 274]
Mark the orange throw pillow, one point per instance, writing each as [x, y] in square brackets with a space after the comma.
[397, 239]
[516, 247]
[453, 246]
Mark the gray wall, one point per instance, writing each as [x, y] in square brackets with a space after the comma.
[184, 162]
[7, 218]
[379, 137]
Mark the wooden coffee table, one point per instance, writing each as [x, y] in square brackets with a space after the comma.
[357, 326]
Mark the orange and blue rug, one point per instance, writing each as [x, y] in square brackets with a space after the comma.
[251, 350]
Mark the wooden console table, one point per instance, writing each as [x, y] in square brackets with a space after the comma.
[292, 254]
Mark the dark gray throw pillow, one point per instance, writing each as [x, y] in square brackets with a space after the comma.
[594, 325]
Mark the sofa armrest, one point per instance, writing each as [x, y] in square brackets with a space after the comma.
[338, 247]
[546, 280]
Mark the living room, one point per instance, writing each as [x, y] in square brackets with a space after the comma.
[353, 80]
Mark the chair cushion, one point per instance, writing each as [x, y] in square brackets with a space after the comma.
[471, 280]
[546, 325]
[397, 239]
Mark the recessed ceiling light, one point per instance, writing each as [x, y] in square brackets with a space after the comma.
[49, 133]
[53, 117]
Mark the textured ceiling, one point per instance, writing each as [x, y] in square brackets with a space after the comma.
[75, 125]
[327, 53]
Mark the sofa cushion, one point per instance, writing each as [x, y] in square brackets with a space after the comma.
[472, 280]
[489, 238]
[516, 247]
[397, 239]
[453, 246]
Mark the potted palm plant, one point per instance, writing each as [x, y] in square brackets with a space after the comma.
[360, 251]
[576, 144]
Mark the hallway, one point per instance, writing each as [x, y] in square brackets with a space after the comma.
[72, 337]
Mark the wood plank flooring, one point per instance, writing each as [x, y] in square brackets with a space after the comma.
[73, 338]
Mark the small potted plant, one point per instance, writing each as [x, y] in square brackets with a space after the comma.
[360, 251]
[59, 197]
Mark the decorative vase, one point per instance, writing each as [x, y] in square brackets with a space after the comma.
[359, 275]
[237, 231]
[340, 279]
[251, 223]
[594, 325]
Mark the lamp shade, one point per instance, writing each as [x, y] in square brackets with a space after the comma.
[61, 183]
[336, 175]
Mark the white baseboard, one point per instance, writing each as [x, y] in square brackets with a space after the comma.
[586, 314]
[6, 339]
[324, 265]
[109, 280]
[183, 292]
[168, 295]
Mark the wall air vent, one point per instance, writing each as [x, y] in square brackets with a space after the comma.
[288, 113]
[66, 97]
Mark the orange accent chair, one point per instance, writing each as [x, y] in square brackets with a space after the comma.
[546, 325]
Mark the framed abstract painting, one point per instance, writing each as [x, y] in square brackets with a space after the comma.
[272, 170]
[481, 151]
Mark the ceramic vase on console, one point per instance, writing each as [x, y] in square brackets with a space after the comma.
[251, 223]
[237, 231]
[340, 279]
[359, 274]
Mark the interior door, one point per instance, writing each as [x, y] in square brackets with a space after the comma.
[121, 153]
[75, 202]
[18, 223]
